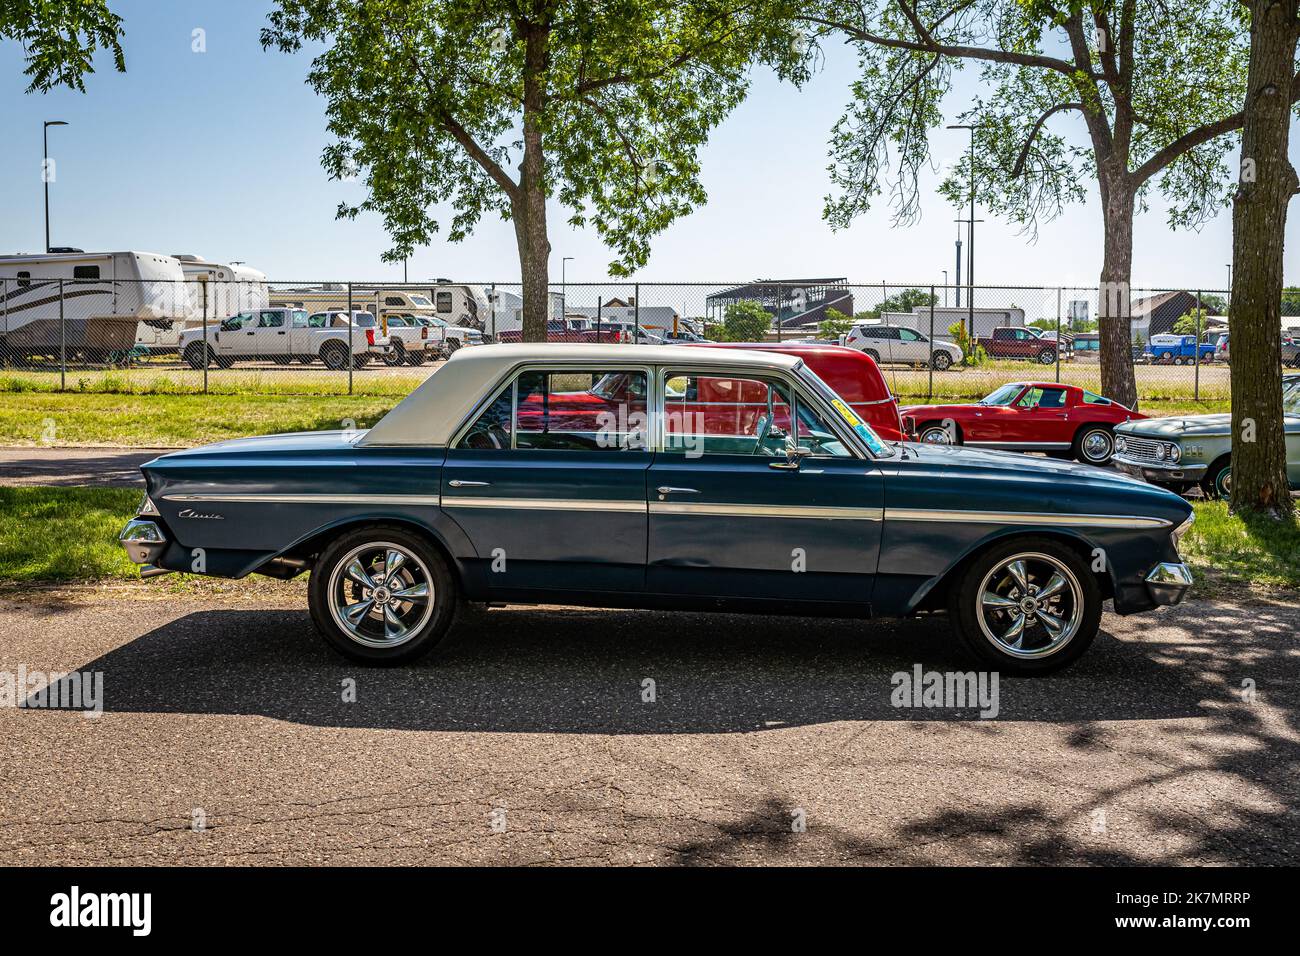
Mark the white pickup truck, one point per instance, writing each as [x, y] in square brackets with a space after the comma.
[413, 342]
[285, 335]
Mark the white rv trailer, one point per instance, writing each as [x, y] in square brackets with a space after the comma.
[105, 296]
[215, 289]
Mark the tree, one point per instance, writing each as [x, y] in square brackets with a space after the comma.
[904, 301]
[1157, 86]
[745, 321]
[602, 107]
[60, 38]
[1268, 181]
[835, 324]
[1190, 323]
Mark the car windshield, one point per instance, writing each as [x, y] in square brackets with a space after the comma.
[1002, 396]
[878, 447]
[1291, 396]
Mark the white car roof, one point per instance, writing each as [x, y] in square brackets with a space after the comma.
[431, 413]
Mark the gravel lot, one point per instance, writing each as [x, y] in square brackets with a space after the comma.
[227, 706]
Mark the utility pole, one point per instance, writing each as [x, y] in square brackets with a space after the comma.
[970, 246]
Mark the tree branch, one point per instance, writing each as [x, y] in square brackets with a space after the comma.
[1033, 133]
[1200, 135]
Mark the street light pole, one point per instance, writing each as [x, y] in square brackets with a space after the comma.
[945, 288]
[970, 244]
[45, 173]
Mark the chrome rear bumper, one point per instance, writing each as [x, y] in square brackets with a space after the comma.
[143, 541]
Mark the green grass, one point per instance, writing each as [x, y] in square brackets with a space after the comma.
[70, 534]
[64, 534]
[1227, 553]
[306, 380]
[92, 418]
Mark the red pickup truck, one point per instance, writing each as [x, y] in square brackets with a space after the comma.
[1018, 343]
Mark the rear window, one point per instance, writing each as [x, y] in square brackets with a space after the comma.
[85, 272]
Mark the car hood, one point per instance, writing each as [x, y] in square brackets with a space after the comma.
[289, 443]
[1178, 425]
[1015, 463]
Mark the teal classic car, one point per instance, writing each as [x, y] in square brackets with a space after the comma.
[676, 477]
[1179, 452]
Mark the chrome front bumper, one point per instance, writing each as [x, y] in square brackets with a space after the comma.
[1159, 473]
[1168, 583]
[143, 541]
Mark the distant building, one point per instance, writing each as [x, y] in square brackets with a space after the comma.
[792, 303]
[1156, 314]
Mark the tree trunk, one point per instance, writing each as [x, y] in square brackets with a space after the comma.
[1264, 190]
[1114, 321]
[529, 207]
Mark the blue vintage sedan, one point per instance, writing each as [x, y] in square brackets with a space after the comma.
[660, 477]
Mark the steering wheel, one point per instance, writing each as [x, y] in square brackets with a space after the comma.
[494, 436]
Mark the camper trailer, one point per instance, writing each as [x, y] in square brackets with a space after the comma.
[213, 289]
[104, 297]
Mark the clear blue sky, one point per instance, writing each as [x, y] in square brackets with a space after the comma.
[218, 154]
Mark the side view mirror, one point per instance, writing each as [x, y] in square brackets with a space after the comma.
[794, 456]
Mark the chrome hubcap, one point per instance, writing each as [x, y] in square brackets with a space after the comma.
[936, 436]
[1096, 446]
[381, 594]
[1030, 605]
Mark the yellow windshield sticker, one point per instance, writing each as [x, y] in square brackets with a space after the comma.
[848, 414]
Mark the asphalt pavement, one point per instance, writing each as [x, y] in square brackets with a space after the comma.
[75, 467]
[231, 734]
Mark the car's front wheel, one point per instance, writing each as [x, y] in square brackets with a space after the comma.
[1217, 482]
[940, 361]
[1027, 606]
[382, 595]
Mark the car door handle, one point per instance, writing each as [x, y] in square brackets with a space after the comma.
[665, 490]
[459, 483]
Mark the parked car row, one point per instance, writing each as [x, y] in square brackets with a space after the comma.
[1290, 350]
[332, 337]
[720, 478]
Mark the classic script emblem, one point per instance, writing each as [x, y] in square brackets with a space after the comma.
[204, 515]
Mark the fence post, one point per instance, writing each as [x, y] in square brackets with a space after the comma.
[63, 344]
[493, 333]
[1196, 352]
[636, 313]
[205, 338]
[599, 307]
[4, 304]
[929, 388]
[1060, 342]
[350, 342]
[779, 291]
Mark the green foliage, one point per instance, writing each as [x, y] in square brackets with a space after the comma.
[745, 321]
[603, 108]
[64, 534]
[974, 353]
[834, 325]
[1162, 71]
[59, 39]
[1189, 324]
[904, 301]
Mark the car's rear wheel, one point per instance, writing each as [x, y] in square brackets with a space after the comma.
[334, 355]
[415, 357]
[1046, 356]
[450, 346]
[382, 595]
[872, 354]
[1027, 606]
[1094, 444]
[360, 361]
[1217, 482]
[396, 355]
[940, 361]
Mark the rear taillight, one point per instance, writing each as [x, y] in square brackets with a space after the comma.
[370, 336]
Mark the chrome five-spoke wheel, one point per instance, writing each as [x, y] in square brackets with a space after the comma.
[1031, 605]
[1027, 605]
[381, 594]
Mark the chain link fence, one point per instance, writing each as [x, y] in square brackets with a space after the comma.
[934, 343]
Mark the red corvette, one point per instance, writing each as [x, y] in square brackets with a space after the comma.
[1026, 416]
